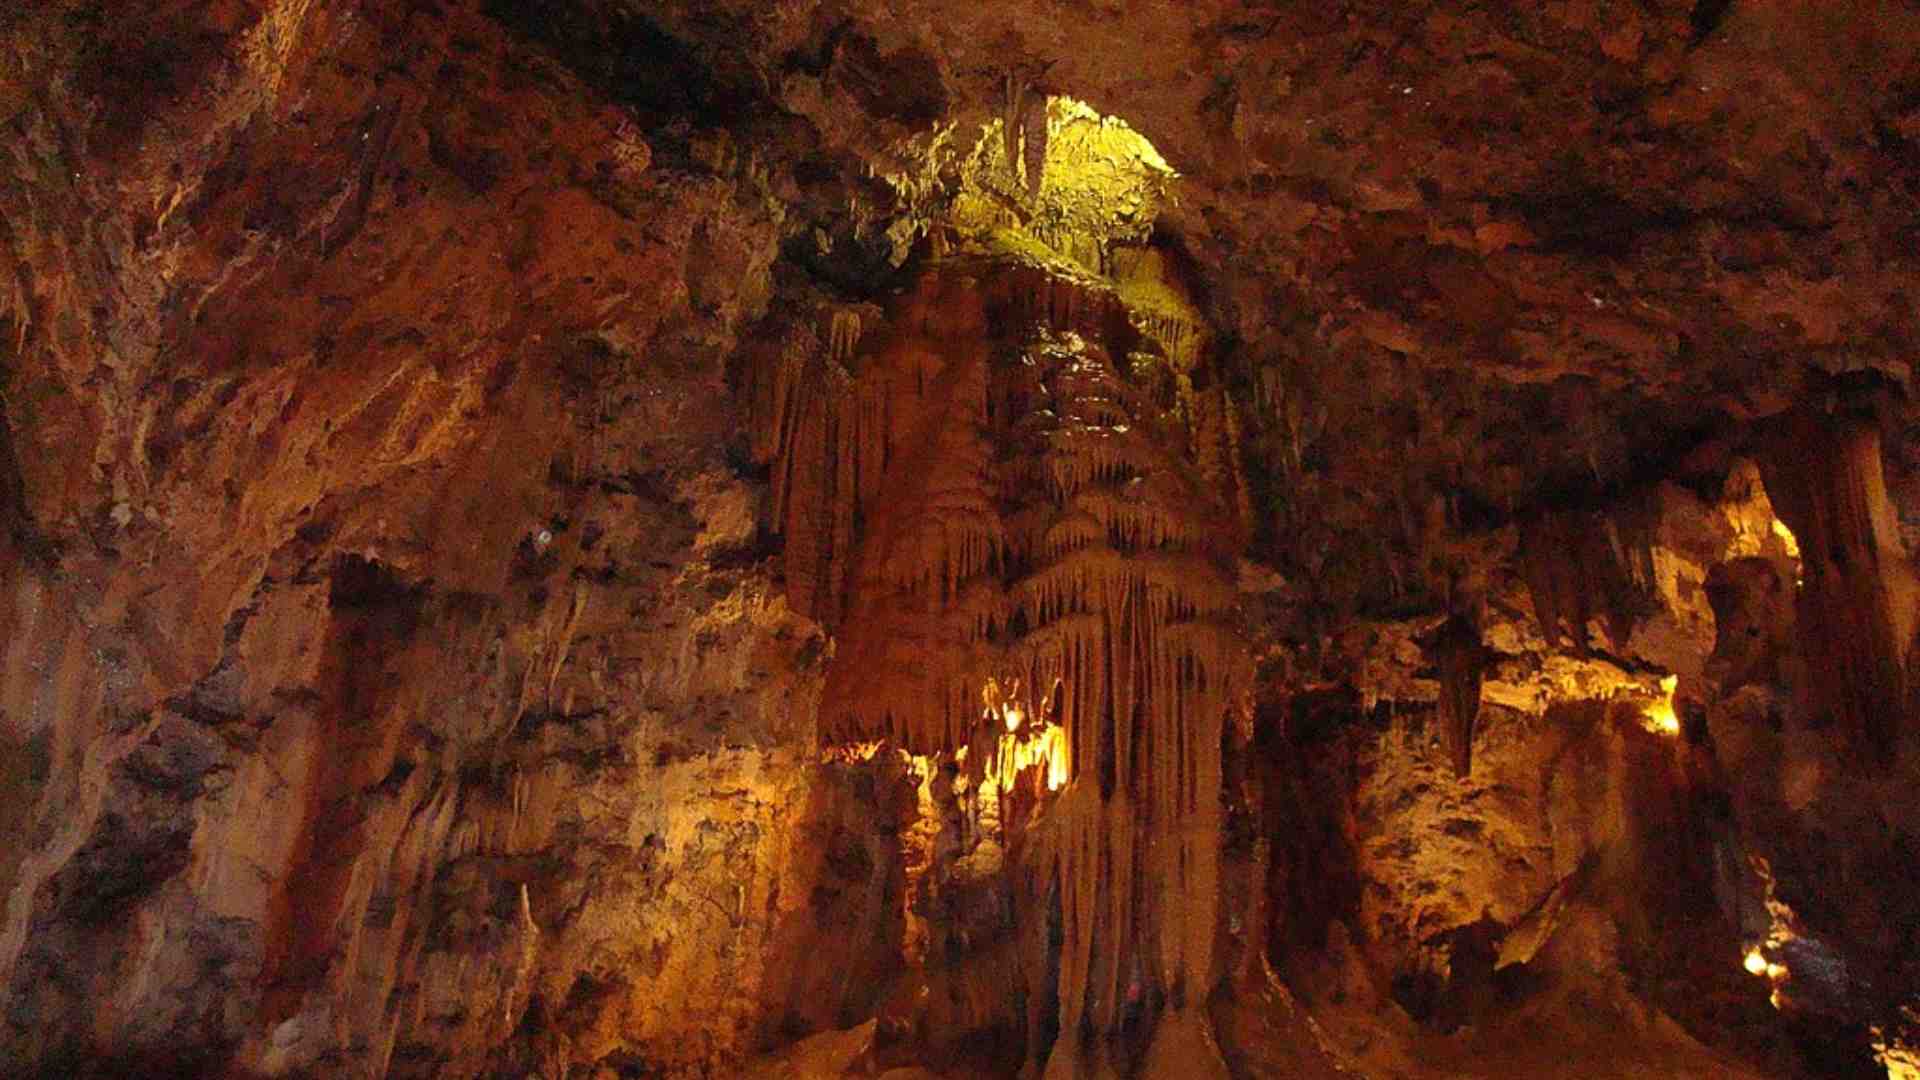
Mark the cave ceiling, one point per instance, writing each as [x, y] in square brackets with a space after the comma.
[1508, 253]
[1519, 251]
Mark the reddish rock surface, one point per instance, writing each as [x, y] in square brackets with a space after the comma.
[476, 479]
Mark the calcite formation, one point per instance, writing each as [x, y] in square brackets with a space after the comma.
[1462, 660]
[991, 491]
[1859, 602]
[715, 538]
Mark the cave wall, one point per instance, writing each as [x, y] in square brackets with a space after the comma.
[397, 677]
[1617, 823]
[393, 683]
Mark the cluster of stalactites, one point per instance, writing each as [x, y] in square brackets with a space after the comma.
[915, 412]
[830, 438]
[814, 480]
[1067, 238]
[1040, 296]
[970, 564]
[1582, 566]
[1015, 507]
[1179, 337]
[1123, 601]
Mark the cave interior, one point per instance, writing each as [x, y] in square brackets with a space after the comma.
[1232, 539]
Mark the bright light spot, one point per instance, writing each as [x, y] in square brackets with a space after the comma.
[851, 753]
[1115, 138]
[1660, 717]
[1902, 1060]
[1023, 747]
[1786, 537]
[1757, 964]
[1781, 932]
[1045, 748]
[1902, 1063]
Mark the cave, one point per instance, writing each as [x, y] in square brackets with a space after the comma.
[1108, 541]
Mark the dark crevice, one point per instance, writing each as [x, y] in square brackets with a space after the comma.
[1578, 217]
[634, 60]
[1706, 17]
[850, 268]
[359, 584]
[17, 529]
[13, 511]
[123, 862]
[904, 85]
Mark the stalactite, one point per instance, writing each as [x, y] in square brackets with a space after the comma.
[970, 506]
[1035, 120]
[1013, 121]
[1856, 613]
[843, 335]
[1576, 572]
[1461, 658]
[1217, 437]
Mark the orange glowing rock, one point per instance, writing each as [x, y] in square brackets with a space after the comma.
[1661, 719]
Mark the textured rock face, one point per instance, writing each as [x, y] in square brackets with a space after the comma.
[459, 461]
[1606, 827]
[386, 658]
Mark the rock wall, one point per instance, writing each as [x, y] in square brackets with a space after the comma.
[393, 682]
[1624, 836]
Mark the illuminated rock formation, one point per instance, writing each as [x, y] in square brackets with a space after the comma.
[1006, 504]
[593, 539]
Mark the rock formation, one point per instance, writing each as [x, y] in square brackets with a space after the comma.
[927, 540]
[998, 520]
